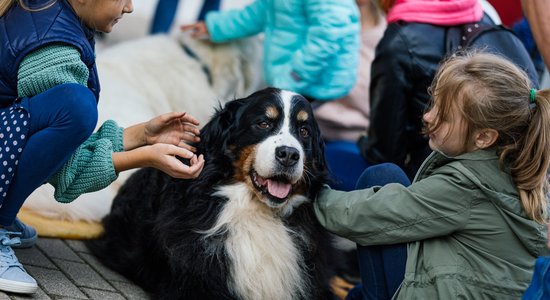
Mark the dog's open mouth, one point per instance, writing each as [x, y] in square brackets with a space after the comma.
[278, 187]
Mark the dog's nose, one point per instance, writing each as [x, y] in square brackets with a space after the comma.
[287, 156]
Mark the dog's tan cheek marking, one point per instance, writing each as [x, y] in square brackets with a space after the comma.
[272, 112]
[299, 188]
[302, 116]
[243, 165]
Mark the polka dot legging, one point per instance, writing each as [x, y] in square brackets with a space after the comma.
[13, 134]
[58, 121]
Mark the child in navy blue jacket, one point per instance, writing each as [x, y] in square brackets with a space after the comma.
[49, 90]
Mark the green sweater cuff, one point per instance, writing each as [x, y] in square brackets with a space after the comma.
[111, 131]
[49, 66]
[90, 168]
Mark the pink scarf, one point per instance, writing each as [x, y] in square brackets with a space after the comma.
[436, 12]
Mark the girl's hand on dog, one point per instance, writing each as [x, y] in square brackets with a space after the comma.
[164, 158]
[158, 142]
[176, 128]
[160, 156]
[198, 30]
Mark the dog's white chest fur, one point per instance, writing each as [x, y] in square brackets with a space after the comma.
[265, 262]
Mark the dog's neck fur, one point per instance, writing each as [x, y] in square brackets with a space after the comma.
[265, 261]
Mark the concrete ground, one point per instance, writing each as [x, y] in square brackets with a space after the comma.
[64, 269]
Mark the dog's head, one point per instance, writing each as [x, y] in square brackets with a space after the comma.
[270, 141]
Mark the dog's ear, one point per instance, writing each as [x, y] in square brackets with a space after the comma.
[216, 133]
[319, 161]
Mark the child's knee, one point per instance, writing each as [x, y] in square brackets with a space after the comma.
[382, 174]
[80, 106]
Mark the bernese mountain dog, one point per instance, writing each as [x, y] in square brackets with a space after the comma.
[245, 228]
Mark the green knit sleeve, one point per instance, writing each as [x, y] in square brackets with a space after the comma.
[90, 168]
[49, 66]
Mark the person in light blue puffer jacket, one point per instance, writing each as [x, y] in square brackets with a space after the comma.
[311, 46]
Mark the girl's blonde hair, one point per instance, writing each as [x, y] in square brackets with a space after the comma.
[6, 4]
[491, 92]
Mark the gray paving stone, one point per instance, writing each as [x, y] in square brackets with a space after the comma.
[131, 291]
[55, 283]
[77, 246]
[83, 275]
[54, 248]
[102, 295]
[39, 295]
[33, 257]
[103, 270]
[65, 269]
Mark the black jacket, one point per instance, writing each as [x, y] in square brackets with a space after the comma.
[405, 63]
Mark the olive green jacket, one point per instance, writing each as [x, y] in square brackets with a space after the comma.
[467, 235]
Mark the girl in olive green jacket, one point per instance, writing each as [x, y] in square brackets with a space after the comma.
[474, 217]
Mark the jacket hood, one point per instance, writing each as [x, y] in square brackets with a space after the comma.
[436, 12]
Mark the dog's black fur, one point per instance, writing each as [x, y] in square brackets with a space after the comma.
[156, 232]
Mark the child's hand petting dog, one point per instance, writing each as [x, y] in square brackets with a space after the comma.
[163, 157]
[160, 156]
[158, 142]
[198, 30]
[176, 128]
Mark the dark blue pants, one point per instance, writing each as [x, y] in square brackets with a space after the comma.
[539, 288]
[61, 119]
[166, 10]
[382, 267]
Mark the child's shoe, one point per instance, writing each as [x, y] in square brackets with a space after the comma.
[27, 233]
[13, 277]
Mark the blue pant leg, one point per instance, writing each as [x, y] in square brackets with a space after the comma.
[164, 16]
[345, 164]
[209, 5]
[61, 119]
[166, 10]
[381, 175]
[382, 267]
[539, 288]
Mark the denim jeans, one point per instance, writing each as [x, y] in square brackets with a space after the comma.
[381, 267]
[166, 11]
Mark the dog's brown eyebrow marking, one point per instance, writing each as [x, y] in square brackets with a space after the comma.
[302, 116]
[271, 112]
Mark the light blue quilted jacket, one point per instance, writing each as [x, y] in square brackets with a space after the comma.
[310, 47]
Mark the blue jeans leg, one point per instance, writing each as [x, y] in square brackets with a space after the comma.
[61, 119]
[540, 283]
[164, 16]
[166, 10]
[209, 5]
[382, 267]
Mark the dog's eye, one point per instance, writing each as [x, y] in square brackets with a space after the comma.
[304, 132]
[263, 125]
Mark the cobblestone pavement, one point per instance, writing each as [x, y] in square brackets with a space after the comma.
[65, 269]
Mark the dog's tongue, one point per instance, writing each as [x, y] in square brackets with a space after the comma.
[278, 189]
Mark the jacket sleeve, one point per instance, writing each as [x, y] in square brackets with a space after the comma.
[389, 89]
[435, 206]
[330, 23]
[234, 24]
[90, 168]
[49, 66]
